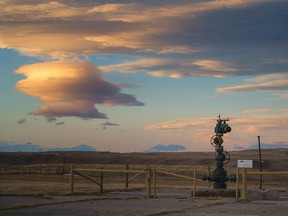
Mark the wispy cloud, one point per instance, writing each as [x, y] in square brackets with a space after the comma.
[66, 29]
[21, 121]
[174, 67]
[109, 124]
[260, 110]
[277, 83]
[51, 119]
[243, 127]
[70, 89]
[167, 39]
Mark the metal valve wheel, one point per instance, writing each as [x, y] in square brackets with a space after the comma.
[216, 140]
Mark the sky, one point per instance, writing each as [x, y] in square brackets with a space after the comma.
[125, 76]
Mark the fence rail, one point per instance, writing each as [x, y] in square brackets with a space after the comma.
[35, 169]
[150, 174]
[152, 177]
[246, 173]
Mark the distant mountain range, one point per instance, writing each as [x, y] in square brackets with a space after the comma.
[29, 147]
[166, 148]
[262, 146]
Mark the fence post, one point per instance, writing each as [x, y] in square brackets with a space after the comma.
[127, 176]
[194, 183]
[244, 187]
[148, 182]
[72, 179]
[209, 174]
[154, 181]
[101, 181]
[237, 183]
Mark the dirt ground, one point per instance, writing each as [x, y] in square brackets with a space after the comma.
[129, 204]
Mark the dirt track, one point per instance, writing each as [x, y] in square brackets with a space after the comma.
[137, 205]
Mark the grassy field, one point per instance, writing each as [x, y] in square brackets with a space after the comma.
[48, 173]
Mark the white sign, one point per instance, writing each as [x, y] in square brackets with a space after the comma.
[245, 163]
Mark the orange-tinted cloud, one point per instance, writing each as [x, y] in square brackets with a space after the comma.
[66, 30]
[277, 83]
[174, 68]
[70, 89]
[245, 129]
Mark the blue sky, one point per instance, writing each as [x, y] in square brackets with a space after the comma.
[128, 75]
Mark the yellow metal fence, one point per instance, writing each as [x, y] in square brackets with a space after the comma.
[150, 174]
[153, 176]
[246, 173]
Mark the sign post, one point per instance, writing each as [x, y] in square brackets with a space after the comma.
[243, 164]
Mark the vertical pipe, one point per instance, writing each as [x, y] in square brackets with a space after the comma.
[260, 159]
[72, 179]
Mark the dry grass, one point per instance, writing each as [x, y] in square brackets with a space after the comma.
[48, 178]
[39, 184]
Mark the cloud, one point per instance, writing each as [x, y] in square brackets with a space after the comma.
[260, 110]
[21, 121]
[22, 10]
[69, 29]
[277, 83]
[104, 125]
[167, 39]
[214, 65]
[174, 67]
[70, 89]
[51, 119]
[109, 124]
[263, 146]
[188, 123]
[244, 128]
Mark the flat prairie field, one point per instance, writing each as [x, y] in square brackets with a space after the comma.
[48, 173]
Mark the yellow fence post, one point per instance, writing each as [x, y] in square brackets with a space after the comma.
[72, 179]
[148, 182]
[208, 174]
[244, 181]
[237, 183]
[194, 183]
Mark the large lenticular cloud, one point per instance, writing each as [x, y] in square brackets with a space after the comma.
[70, 89]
